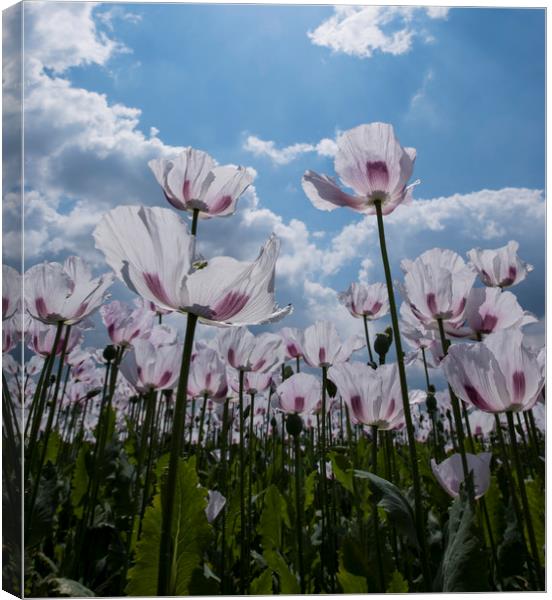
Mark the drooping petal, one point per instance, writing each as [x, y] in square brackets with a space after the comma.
[228, 184]
[325, 194]
[150, 249]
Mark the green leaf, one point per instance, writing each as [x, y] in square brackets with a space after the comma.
[191, 534]
[350, 583]
[465, 565]
[79, 481]
[262, 585]
[273, 516]
[397, 585]
[395, 505]
[54, 442]
[67, 588]
[342, 470]
[512, 552]
[310, 488]
[535, 497]
[288, 581]
[495, 510]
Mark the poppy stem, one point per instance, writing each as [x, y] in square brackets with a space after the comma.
[511, 483]
[298, 511]
[367, 334]
[419, 509]
[524, 500]
[165, 547]
[243, 521]
[458, 422]
[36, 483]
[375, 509]
[40, 396]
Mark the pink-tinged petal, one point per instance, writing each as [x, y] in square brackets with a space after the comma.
[518, 380]
[229, 306]
[140, 243]
[325, 194]
[378, 175]
[362, 153]
[155, 286]
[228, 185]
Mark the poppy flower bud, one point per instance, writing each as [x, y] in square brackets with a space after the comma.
[382, 344]
[109, 353]
[294, 424]
[431, 403]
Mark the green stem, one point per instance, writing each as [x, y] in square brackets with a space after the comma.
[375, 510]
[195, 215]
[298, 511]
[298, 364]
[49, 425]
[458, 422]
[165, 575]
[223, 463]
[524, 500]
[512, 485]
[251, 453]
[426, 372]
[243, 522]
[419, 510]
[41, 396]
[200, 433]
[366, 333]
[148, 431]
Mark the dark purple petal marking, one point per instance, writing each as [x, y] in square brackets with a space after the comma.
[518, 379]
[356, 407]
[221, 204]
[512, 272]
[476, 398]
[111, 330]
[229, 306]
[299, 403]
[231, 357]
[165, 378]
[186, 190]
[485, 277]
[431, 303]
[5, 306]
[322, 356]
[81, 310]
[258, 365]
[390, 409]
[292, 350]
[375, 307]
[378, 175]
[41, 307]
[489, 323]
[156, 288]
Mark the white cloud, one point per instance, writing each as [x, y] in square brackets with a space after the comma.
[85, 154]
[283, 156]
[363, 30]
[64, 35]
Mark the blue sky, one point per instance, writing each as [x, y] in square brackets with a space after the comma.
[465, 87]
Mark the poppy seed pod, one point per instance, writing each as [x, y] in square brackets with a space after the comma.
[109, 353]
[294, 424]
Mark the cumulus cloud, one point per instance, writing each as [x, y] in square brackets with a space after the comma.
[283, 156]
[364, 30]
[86, 154]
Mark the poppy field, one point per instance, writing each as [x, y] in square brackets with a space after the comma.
[266, 459]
